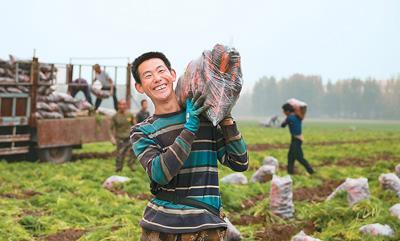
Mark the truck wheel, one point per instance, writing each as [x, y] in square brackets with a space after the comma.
[55, 154]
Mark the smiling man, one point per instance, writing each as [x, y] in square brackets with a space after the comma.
[180, 150]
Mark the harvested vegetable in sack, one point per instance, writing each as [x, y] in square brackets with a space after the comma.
[217, 73]
[98, 92]
[377, 229]
[281, 197]
[300, 107]
[235, 178]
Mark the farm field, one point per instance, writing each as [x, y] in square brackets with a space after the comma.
[43, 201]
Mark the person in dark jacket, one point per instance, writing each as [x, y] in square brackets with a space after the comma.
[143, 114]
[295, 150]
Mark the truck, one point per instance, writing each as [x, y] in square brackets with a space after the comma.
[23, 135]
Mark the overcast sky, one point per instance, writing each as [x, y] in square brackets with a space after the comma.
[334, 39]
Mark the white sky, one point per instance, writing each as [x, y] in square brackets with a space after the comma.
[335, 39]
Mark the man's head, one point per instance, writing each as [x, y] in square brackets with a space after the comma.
[122, 106]
[143, 104]
[287, 109]
[97, 68]
[154, 76]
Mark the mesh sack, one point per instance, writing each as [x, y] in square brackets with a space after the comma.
[390, 181]
[395, 210]
[235, 178]
[216, 73]
[300, 107]
[303, 237]
[264, 173]
[281, 197]
[357, 190]
[377, 229]
[272, 161]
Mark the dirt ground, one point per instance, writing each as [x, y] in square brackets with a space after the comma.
[316, 194]
[66, 235]
[284, 232]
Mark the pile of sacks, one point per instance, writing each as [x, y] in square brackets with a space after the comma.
[20, 70]
[263, 174]
[281, 197]
[357, 190]
[216, 73]
[60, 105]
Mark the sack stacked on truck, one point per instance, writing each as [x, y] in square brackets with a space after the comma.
[60, 105]
[300, 107]
[216, 73]
[19, 71]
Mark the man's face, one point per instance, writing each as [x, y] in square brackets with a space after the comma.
[122, 105]
[97, 69]
[144, 105]
[157, 80]
[286, 113]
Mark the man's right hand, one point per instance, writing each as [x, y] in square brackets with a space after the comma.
[194, 107]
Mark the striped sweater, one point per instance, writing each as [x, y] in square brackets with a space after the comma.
[183, 164]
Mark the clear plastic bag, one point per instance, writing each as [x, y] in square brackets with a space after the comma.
[235, 178]
[264, 174]
[281, 197]
[272, 161]
[303, 237]
[390, 181]
[98, 92]
[216, 73]
[395, 210]
[232, 234]
[108, 183]
[300, 107]
[357, 190]
[377, 229]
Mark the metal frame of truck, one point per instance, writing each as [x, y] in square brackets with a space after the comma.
[21, 133]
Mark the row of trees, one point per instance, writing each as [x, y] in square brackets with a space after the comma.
[347, 98]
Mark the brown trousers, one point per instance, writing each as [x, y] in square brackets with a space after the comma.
[216, 234]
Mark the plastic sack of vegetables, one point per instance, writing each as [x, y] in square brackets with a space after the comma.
[216, 73]
[300, 107]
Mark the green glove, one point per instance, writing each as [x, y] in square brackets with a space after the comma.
[194, 107]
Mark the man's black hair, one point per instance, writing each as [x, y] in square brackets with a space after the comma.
[144, 57]
[141, 102]
[288, 107]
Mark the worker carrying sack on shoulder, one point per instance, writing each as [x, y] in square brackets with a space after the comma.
[300, 107]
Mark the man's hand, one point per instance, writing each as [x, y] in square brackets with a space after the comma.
[228, 120]
[113, 141]
[194, 107]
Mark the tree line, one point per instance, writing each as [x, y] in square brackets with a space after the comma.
[346, 98]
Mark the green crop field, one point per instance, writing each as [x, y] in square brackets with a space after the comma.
[42, 201]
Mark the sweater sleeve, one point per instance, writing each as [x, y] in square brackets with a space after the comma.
[232, 150]
[161, 164]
